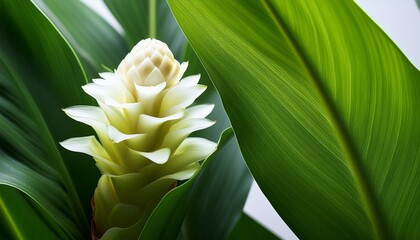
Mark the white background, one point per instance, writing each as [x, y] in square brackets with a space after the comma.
[400, 19]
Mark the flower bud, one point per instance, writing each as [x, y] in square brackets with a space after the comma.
[150, 63]
[142, 147]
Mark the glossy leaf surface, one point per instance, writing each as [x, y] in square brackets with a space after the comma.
[39, 74]
[325, 109]
[94, 40]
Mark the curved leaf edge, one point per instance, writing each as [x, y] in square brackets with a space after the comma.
[187, 185]
[77, 208]
[62, 169]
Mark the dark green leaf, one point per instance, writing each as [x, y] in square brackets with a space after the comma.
[324, 106]
[248, 228]
[96, 43]
[203, 198]
[39, 75]
[148, 19]
[17, 212]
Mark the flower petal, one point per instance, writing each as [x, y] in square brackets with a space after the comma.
[189, 81]
[116, 136]
[185, 173]
[183, 68]
[199, 111]
[179, 131]
[90, 115]
[90, 146]
[160, 156]
[154, 78]
[180, 97]
[147, 96]
[149, 123]
[190, 151]
[115, 118]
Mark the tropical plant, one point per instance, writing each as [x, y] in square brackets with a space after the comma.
[322, 103]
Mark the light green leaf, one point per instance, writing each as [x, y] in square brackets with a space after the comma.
[209, 96]
[39, 75]
[248, 228]
[202, 198]
[324, 106]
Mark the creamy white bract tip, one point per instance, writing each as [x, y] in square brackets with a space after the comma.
[149, 64]
[143, 121]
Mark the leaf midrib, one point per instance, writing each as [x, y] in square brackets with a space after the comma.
[10, 220]
[355, 165]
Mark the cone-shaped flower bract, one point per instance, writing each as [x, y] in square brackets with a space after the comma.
[142, 122]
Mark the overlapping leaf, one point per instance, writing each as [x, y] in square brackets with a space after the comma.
[39, 74]
[95, 42]
[209, 215]
[325, 109]
[248, 228]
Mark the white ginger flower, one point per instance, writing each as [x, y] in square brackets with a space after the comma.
[143, 122]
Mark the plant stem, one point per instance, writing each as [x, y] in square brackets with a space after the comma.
[152, 18]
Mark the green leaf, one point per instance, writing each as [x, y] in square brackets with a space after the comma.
[17, 212]
[97, 45]
[418, 3]
[39, 75]
[148, 19]
[209, 96]
[202, 198]
[324, 106]
[95, 42]
[219, 196]
[248, 228]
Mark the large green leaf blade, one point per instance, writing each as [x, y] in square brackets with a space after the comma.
[324, 107]
[98, 46]
[39, 75]
[210, 96]
[17, 212]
